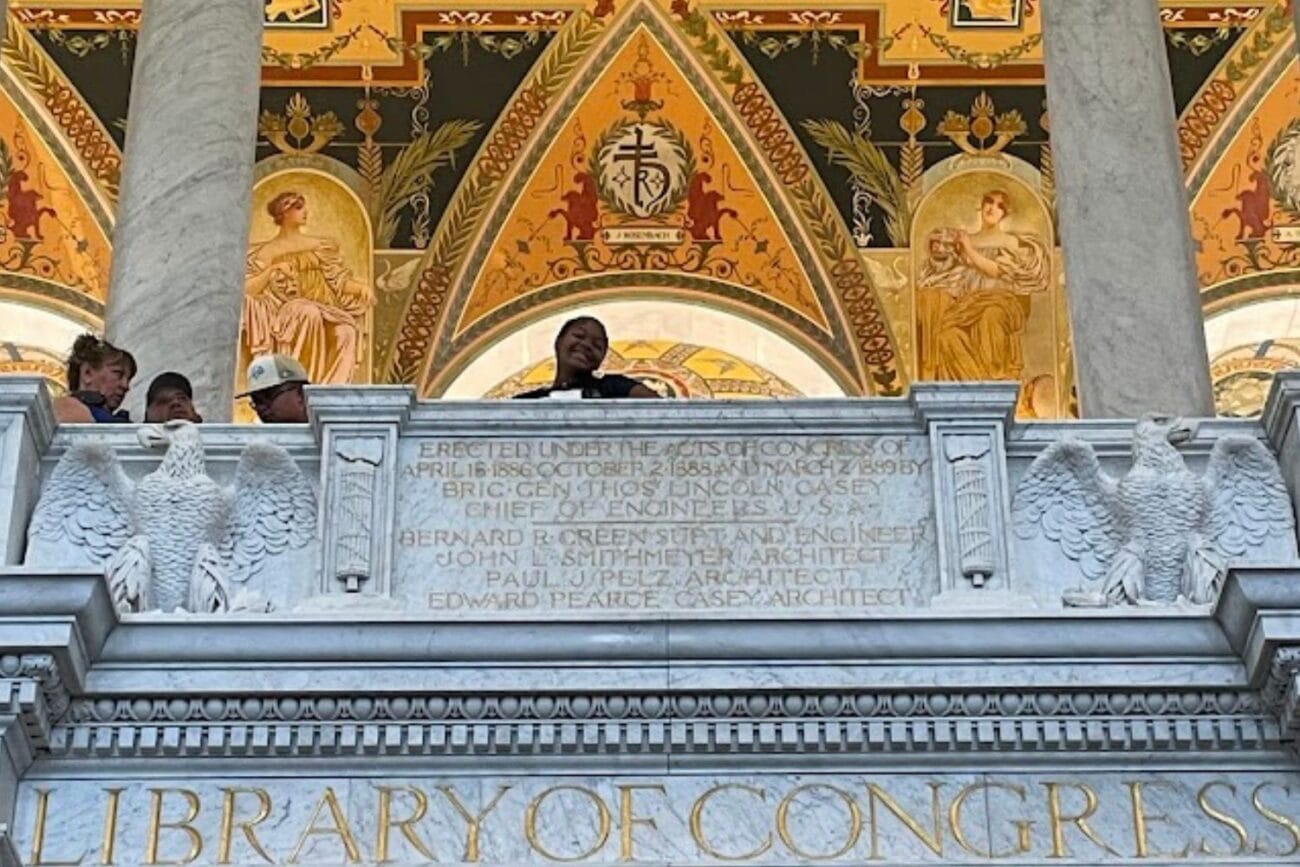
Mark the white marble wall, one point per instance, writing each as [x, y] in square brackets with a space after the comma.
[182, 231]
[1134, 294]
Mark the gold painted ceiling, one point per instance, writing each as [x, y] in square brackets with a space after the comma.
[804, 144]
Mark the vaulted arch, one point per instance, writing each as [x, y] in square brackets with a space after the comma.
[743, 208]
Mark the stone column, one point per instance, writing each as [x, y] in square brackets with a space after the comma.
[182, 225]
[1139, 338]
[1295, 10]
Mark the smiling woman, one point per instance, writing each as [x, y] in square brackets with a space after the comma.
[580, 349]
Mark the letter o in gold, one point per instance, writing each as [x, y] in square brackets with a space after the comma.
[534, 839]
[783, 826]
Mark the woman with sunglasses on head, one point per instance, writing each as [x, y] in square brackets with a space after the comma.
[99, 376]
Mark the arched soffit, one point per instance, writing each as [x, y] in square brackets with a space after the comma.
[1248, 346]
[646, 311]
[434, 329]
[1245, 209]
[671, 368]
[1231, 94]
[681, 324]
[48, 101]
[55, 237]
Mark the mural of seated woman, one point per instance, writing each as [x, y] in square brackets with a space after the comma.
[302, 300]
[974, 297]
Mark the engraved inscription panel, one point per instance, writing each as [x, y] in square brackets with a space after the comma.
[631, 526]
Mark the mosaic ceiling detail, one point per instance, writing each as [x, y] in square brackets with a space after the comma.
[475, 167]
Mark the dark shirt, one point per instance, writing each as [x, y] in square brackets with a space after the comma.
[611, 386]
[94, 401]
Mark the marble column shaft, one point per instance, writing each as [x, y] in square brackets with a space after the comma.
[1295, 10]
[182, 231]
[1139, 336]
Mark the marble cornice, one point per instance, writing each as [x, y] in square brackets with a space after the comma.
[916, 689]
[942, 639]
[1260, 613]
[1282, 409]
[32, 690]
[672, 725]
[65, 617]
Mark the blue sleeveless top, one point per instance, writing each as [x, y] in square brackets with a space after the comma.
[100, 413]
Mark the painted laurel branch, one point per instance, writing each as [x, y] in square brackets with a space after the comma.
[452, 240]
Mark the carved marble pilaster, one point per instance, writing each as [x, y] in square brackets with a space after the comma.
[26, 428]
[972, 500]
[358, 431]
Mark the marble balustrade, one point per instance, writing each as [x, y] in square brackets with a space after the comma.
[903, 689]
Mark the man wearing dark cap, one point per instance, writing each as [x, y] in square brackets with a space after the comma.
[170, 398]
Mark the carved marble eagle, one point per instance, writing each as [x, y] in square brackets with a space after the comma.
[176, 539]
[1161, 534]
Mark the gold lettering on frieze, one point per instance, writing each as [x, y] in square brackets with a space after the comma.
[605, 822]
[156, 826]
[1024, 827]
[475, 822]
[108, 848]
[341, 828]
[38, 838]
[246, 826]
[1285, 822]
[628, 820]
[1141, 820]
[697, 823]
[406, 826]
[783, 822]
[751, 820]
[1232, 823]
[932, 841]
[1059, 820]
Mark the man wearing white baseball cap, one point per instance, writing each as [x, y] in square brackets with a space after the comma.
[275, 388]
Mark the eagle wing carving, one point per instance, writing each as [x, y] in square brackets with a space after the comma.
[1249, 506]
[274, 510]
[84, 515]
[1070, 500]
